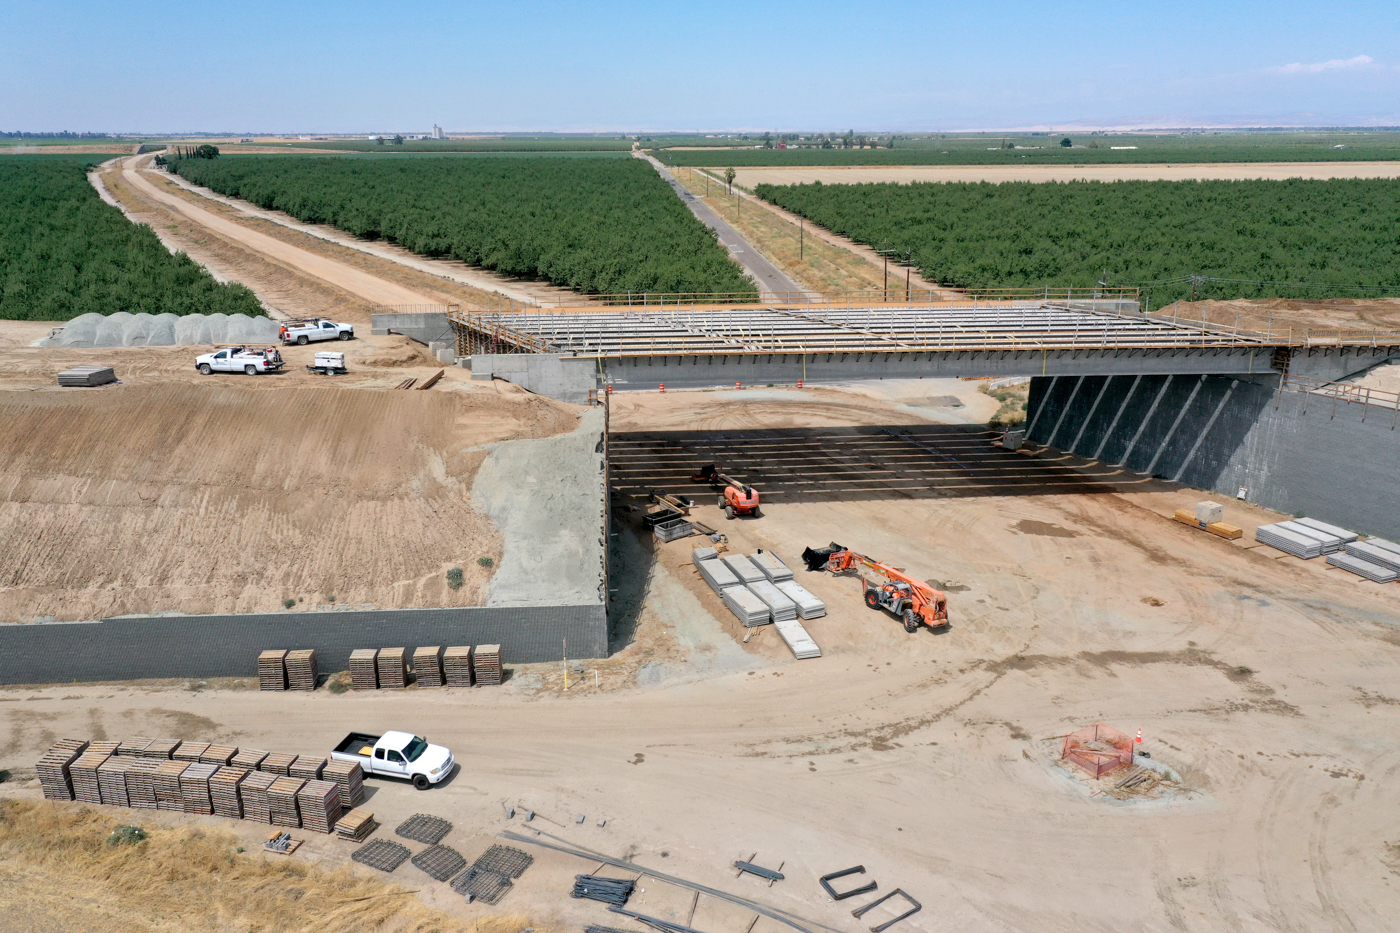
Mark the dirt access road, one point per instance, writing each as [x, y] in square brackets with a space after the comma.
[1228, 171]
[1270, 687]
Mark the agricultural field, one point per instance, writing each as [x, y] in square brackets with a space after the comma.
[63, 252]
[1046, 150]
[597, 226]
[1153, 234]
[502, 144]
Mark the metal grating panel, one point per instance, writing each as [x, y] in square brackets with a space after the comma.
[440, 862]
[420, 827]
[381, 854]
[481, 885]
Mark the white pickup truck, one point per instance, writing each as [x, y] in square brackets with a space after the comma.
[316, 328]
[250, 360]
[397, 754]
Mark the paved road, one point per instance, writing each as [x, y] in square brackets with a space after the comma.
[770, 280]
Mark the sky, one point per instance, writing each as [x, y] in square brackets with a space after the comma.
[624, 66]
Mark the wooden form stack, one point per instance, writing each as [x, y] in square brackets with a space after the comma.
[218, 755]
[355, 825]
[134, 746]
[83, 771]
[53, 768]
[282, 802]
[393, 668]
[301, 669]
[253, 792]
[158, 748]
[223, 792]
[189, 751]
[166, 781]
[194, 787]
[319, 803]
[140, 783]
[249, 758]
[350, 777]
[279, 763]
[111, 781]
[427, 666]
[307, 767]
[272, 670]
[364, 674]
[457, 666]
[486, 664]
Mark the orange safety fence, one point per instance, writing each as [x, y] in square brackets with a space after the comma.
[1098, 749]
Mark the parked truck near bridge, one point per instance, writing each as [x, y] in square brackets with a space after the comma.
[397, 755]
[250, 360]
[316, 328]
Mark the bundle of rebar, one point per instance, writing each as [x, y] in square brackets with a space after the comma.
[614, 891]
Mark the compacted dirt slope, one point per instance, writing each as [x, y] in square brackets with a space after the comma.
[222, 497]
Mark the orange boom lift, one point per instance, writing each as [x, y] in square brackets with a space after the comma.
[736, 499]
[912, 601]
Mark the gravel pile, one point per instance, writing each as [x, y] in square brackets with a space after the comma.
[124, 329]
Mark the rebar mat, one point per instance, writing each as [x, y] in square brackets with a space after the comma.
[423, 828]
[440, 862]
[505, 861]
[481, 885]
[380, 854]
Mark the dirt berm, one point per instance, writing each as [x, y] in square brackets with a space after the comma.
[214, 498]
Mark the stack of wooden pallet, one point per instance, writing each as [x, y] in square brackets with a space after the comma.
[355, 825]
[83, 771]
[307, 767]
[189, 751]
[319, 802]
[272, 670]
[301, 669]
[166, 781]
[218, 755]
[427, 666]
[223, 792]
[134, 746]
[279, 763]
[249, 758]
[194, 787]
[253, 792]
[486, 664]
[52, 769]
[364, 675]
[393, 669]
[111, 781]
[140, 783]
[457, 666]
[350, 777]
[158, 748]
[282, 801]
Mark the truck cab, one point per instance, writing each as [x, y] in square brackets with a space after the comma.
[397, 755]
[318, 328]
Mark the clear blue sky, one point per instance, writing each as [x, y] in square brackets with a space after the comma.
[368, 66]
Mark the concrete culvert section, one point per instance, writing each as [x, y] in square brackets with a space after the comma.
[124, 329]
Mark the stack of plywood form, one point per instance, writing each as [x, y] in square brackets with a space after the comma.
[781, 608]
[159, 749]
[808, 606]
[194, 787]
[134, 746]
[364, 671]
[279, 763]
[486, 664]
[797, 639]
[272, 670]
[457, 666]
[111, 780]
[301, 669]
[427, 666]
[350, 777]
[307, 767]
[393, 669]
[253, 793]
[319, 803]
[250, 759]
[53, 769]
[746, 606]
[140, 783]
[717, 574]
[218, 755]
[282, 802]
[189, 751]
[166, 781]
[355, 825]
[743, 568]
[223, 792]
[83, 771]
[1289, 540]
[774, 569]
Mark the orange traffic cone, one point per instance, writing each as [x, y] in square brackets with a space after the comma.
[799, 383]
[1138, 740]
[663, 388]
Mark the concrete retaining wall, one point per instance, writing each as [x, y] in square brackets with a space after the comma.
[425, 327]
[140, 647]
[1291, 451]
[566, 378]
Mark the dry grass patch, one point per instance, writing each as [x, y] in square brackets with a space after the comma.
[59, 873]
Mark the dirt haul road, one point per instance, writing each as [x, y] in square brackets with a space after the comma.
[1269, 687]
[355, 281]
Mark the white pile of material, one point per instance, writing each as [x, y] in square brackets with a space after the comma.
[773, 568]
[798, 640]
[1363, 568]
[1327, 529]
[703, 553]
[1289, 541]
[743, 568]
[1376, 551]
[1331, 543]
[717, 574]
[808, 606]
[747, 607]
[781, 607]
[124, 329]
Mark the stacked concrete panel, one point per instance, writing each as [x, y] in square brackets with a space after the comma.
[743, 568]
[781, 608]
[797, 639]
[1363, 568]
[717, 574]
[1290, 542]
[774, 569]
[746, 606]
[808, 606]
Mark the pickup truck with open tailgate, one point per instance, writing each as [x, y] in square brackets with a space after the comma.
[397, 754]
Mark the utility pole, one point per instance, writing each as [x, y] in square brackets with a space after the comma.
[801, 238]
[885, 254]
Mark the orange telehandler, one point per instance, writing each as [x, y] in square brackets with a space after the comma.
[912, 601]
[736, 498]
